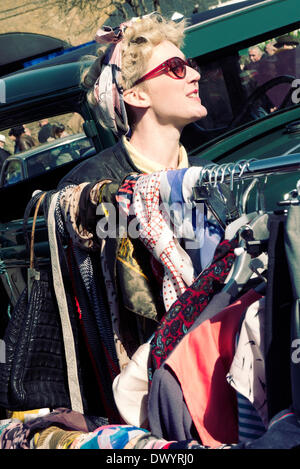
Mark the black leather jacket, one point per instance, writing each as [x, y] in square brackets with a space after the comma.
[112, 163]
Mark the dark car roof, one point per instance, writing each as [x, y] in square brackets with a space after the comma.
[64, 56]
[43, 81]
[248, 21]
[221, 10]
[18, 47]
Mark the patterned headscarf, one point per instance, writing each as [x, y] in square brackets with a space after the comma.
[107, 89]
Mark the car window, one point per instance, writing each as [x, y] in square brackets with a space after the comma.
[246, 85]
[273, 67]
[12, 172]
[39, 132]
[69, 150]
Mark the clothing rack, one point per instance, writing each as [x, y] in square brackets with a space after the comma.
[247, 169]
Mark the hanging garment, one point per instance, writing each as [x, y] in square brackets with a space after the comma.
[133, 288]
[71, 201]
[199, 231]
[217, 303]
[88, 288]
[84, 278]
[168, 414]
[291, 242]
[200, 362]
[191, 221]
[247, 370]
[125, 192]
[183, 313]
[86, 375]
[130, 388]
[249, 422]
[155, 232]
[167, 409]
[166, 217]
[90, 272]
[279, 301]
[68, 337]
[113, 306]
[104, 367]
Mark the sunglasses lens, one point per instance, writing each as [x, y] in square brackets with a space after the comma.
[177, 67]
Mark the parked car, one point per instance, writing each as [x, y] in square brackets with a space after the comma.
[44, 157]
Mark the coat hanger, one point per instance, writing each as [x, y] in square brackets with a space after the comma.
[219, 196]
[253, 232]
[251, 254]
[245, 217]
[216, 195]
[252, 227]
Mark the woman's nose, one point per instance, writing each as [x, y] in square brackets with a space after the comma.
[193, 75]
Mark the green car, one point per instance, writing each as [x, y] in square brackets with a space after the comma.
[252, 102]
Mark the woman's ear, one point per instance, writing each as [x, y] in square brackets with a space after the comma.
[136, 97]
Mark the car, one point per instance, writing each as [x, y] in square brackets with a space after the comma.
[45, 157]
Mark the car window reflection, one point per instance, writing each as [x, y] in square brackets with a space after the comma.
[245, 85]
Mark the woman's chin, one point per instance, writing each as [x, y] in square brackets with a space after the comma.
[202, 111]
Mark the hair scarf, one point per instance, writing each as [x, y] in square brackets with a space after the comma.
[107, 90]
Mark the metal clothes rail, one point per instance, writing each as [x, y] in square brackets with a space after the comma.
[248, 169]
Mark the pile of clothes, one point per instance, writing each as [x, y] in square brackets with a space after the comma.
[67, 429]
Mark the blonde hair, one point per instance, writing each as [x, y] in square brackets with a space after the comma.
[137, 45]
[139, 40]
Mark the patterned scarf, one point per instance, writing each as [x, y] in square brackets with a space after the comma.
[183, 313]
[107, 89]
[142, 195]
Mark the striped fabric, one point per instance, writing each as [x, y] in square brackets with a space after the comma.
[249, 422]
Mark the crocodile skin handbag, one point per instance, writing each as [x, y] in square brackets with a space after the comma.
[33, 374]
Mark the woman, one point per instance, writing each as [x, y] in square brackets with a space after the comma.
[146, 92]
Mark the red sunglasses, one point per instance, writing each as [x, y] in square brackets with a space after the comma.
[174, 67]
